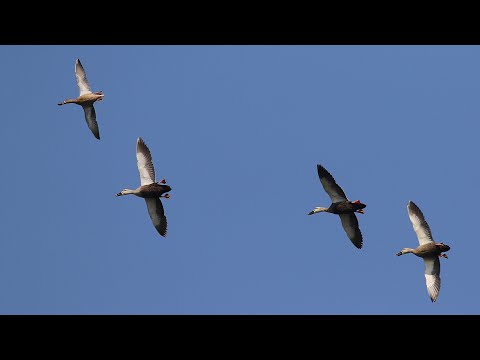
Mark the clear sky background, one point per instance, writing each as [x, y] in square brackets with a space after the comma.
[237, 132]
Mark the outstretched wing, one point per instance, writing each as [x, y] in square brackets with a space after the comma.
[420, 226]
[330, 186]
[91, 118]
[432, 276]
[82, 81]
[350, 225]
[157, 214]
[144, 163]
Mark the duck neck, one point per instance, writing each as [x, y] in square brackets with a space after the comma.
[406, 251]
[317, 210]
[127, 192]
[68, 101]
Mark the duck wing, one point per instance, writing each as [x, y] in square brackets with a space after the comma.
[157, 214]
[330, 186]
[81, 77]
[144, 163]
[91, 118]
[420, 226]
[350, 225]
[432, 276]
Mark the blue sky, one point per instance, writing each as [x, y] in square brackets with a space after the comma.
[237, 132]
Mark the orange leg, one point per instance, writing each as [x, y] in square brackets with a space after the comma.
[443, 255]
[166, 196]
[163, 181]
[356, 202]
[360, 211]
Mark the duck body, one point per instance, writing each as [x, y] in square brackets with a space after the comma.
[430, 249]
[345, 207]
[85, 99]
[153, 190]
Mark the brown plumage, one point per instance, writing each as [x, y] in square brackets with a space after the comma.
[341, 206]
[86, 99]
[149, 189]
[345, 207]
[429, 250]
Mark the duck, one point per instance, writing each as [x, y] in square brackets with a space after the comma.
[86, 99]
[150, 189]
[341, 206]
[429, 250]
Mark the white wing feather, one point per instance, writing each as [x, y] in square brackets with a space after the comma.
[420, 226]
[144, 163]
[81, 77]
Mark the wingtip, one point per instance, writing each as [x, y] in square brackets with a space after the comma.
[140, 144]
[356, 243]
[413, 208]
[164, 234]
[322, 170]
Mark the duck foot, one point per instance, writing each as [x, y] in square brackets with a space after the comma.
[163, 181]
[443, 255]
[166, 196]
[360, 211]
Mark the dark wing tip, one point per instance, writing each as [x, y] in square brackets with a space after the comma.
[320, 168]
[95, 132]
[322, 172]
[142, 147]
[162, 230]
[141, 144]
[358, 241]
[413, 208]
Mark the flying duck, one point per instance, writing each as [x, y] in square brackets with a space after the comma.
[86, 99]
[149, 189]
[428, 249]
[341, 206]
